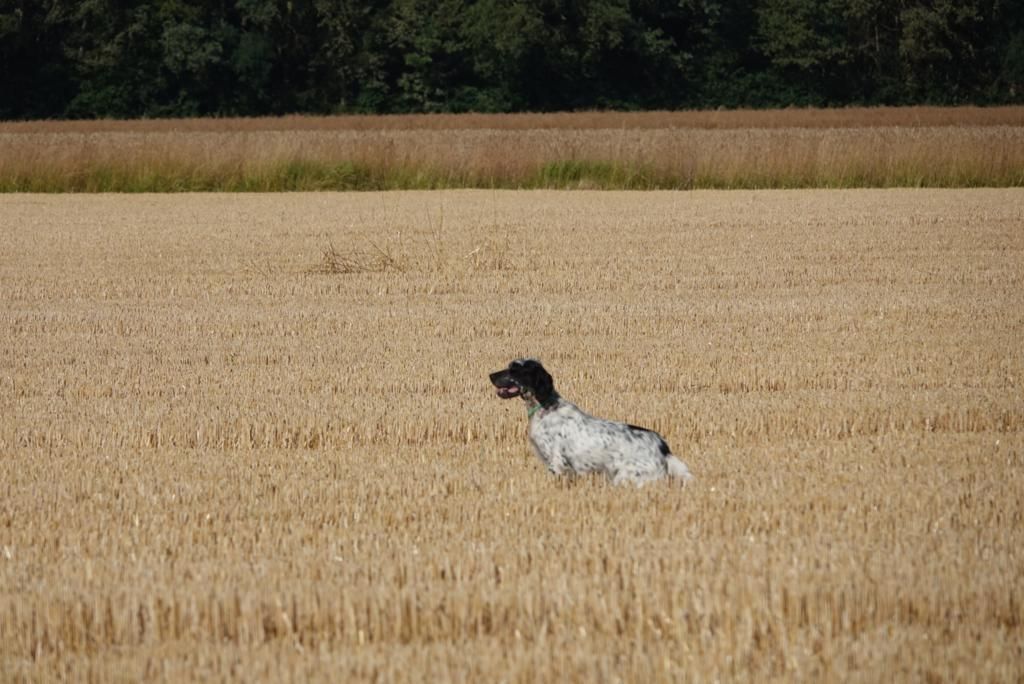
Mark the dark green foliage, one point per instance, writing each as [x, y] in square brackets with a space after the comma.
[145, 58]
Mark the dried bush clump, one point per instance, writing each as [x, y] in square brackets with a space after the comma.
[334, 261]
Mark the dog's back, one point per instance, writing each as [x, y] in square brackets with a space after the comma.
[568, 440]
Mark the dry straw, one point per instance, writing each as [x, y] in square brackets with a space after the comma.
[790, 149]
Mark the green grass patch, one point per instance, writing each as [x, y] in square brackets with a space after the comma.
[602, 175]
[312, 175]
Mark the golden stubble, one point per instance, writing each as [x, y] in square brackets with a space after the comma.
[220, 461]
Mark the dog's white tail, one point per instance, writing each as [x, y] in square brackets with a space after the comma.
[677, 469]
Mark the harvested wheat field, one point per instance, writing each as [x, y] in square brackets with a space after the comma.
[251, 437]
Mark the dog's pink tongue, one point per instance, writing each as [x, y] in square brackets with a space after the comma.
[505, 392]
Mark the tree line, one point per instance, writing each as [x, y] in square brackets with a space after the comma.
[169, 58]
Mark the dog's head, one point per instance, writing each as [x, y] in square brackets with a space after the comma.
[525, 378]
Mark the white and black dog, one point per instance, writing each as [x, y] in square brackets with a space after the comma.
[569, 441]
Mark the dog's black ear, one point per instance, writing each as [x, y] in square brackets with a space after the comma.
[543, 387]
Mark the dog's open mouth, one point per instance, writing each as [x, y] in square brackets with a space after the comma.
[508, 392]
[505, 385]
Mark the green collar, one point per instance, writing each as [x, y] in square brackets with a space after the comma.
[538, 406]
